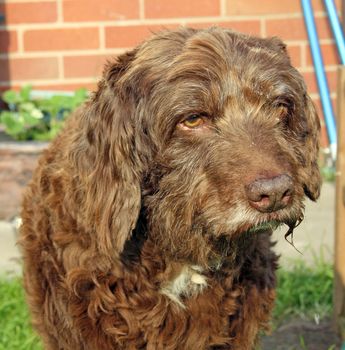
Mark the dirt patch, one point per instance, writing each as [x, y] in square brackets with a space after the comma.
[302, 335]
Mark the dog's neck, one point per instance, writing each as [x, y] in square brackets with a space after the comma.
[183, 281]
[183, 278]
[225, 250]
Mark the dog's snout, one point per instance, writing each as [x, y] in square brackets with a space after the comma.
[270, 194]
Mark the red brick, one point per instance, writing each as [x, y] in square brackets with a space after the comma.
[245, 26]
[287, 29]
[324, 135]
[311, 81]
[129, 36]
[29, 12]
[181, 8]
[100, 10]
[84, 66]
[294, 28]
[29, 68]
[253, 7]
[317, 103]
[329, 55]
[323, 28]
[61, 39]
[295, 53]
[8, 41]
[318, 5]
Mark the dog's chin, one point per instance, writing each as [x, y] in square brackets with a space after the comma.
[270, 223]
[242, 218]
[263, 226]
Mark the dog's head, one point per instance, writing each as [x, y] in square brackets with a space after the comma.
[211, 131]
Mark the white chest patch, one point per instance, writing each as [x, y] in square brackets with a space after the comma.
[189, 282]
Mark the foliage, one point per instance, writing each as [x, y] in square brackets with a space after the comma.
[328, 173]
[304, 291]
[37, 119]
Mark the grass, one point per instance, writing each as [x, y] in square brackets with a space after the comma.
[328, 173]
[302, 292]
[15, 329]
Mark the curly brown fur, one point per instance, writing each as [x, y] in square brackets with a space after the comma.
[137, 231]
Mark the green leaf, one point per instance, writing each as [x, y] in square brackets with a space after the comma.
[42, 136]
[27, 106]
[36, 113]
[29, 120]
[10, 97]
[13, 125]
[79, 97]
[25, 93]
[81, 94]
[38, 118]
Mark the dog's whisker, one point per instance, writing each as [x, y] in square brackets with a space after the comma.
[292, 225]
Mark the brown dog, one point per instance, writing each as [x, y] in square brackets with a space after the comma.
[147, 224]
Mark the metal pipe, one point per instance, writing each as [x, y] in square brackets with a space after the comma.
[336, 28]
[320, 76]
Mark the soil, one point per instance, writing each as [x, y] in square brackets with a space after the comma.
[302, 335]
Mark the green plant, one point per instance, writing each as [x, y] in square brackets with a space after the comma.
[328, 173]
[15, 329]
[37, 119]
[304, 291]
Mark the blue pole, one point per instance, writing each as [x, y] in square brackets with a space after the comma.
[320, 76]
[336, 29]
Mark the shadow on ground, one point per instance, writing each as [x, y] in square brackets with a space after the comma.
[302, 335]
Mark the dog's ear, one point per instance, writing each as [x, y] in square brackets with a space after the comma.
[277, 45]
[107, 160]
[311, 172]
[309, 132]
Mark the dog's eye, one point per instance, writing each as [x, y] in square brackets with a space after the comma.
[283, 110]
[194, 121]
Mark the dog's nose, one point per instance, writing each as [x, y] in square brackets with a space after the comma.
[270, 194]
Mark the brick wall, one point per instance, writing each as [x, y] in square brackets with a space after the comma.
[63, 44]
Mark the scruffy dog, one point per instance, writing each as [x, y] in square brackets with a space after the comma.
[147, 224]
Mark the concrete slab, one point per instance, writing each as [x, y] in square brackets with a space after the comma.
[10, 261]
[314, 237]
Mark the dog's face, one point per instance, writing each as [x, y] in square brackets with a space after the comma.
[225, 133]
